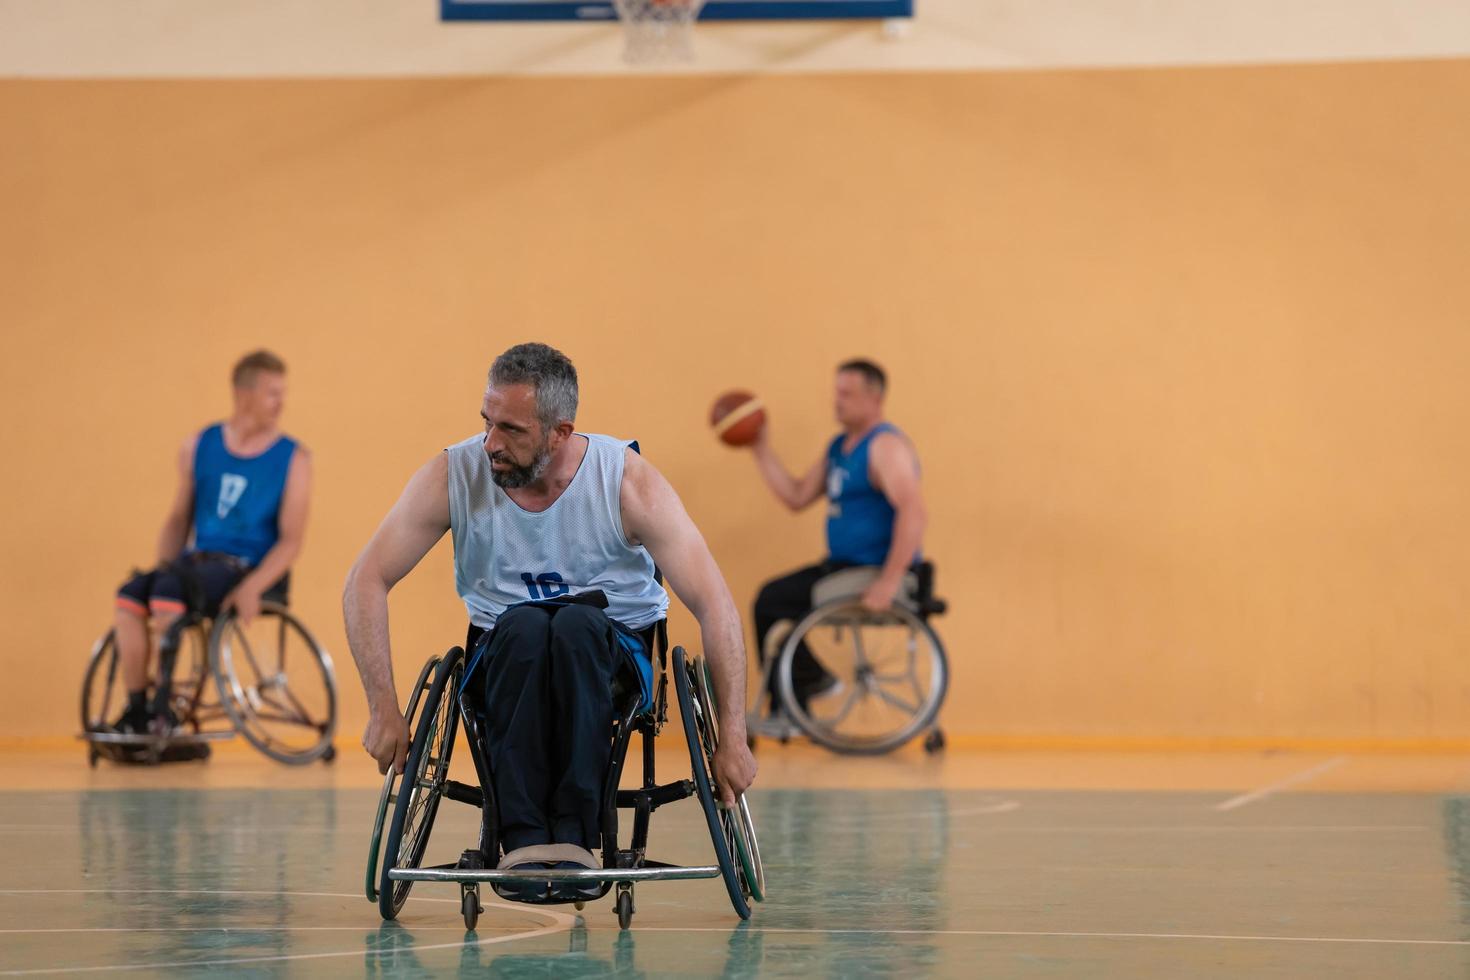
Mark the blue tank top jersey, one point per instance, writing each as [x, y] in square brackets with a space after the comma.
[237, 500]
[859, 517]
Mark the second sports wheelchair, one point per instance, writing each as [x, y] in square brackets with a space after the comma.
[437, 706]
[888, 670]
[290, 717]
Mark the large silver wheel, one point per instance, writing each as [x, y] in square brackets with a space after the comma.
[889, 675]
[276, 684]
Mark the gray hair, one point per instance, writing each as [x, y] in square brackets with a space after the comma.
[551, 376]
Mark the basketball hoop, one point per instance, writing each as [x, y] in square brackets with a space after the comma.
[658, 32]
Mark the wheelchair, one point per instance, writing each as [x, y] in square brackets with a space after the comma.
[290, 718]
[437, 706]
[890, 670]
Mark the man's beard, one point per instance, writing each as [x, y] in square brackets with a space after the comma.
[519, 476]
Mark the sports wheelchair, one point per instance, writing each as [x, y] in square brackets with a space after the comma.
[889, 669]
[289, 718]
[437, 705]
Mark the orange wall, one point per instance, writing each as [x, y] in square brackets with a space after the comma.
[1184, 351]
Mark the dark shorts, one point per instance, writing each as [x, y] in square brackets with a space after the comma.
[200, 579]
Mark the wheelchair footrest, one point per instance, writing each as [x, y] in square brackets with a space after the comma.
[464, 793]
[652, 871]
[657, 796]
[155, 741]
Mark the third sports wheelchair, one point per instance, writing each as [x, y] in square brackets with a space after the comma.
[437, 706]
[272, 683]
[889, 670]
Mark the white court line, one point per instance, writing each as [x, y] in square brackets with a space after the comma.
[1276, 787]
[561, 922]
[1000, 933]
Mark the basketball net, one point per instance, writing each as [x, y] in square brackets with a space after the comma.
[658, 32]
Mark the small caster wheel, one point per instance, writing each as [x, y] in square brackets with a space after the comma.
[934, 741]
[625, 907]
[469, 904]
[579, 905]
[785, 739]
[92, 756]
[330, 754]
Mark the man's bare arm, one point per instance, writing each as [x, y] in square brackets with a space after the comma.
[416, 522]
[654, 516]
[175, 532]
[797, 494]
[291, 522]
[894, 469]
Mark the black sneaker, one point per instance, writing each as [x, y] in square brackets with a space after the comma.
[131, 722]
[574, 891]
[163, 722]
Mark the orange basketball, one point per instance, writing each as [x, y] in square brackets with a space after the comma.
[737, 418]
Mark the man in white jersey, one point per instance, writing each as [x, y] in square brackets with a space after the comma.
[555, 538]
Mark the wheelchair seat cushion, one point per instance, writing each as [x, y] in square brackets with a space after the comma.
[850, 583]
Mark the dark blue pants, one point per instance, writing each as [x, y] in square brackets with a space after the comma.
[548, 722]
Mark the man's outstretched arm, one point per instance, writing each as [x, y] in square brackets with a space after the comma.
[654, 516]
[416, 522]
[796, 494]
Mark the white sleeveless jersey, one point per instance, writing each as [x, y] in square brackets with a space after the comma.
[505, 555]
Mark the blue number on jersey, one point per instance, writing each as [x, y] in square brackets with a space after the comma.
[547, 585]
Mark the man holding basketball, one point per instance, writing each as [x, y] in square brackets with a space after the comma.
[875, 512]
[556, 535]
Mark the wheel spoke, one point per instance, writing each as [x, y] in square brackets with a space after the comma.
[853, 698]
[896, 702]
[249, 651]
[301, 710]
[860, 658]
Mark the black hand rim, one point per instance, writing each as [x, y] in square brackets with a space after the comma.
[739, 827]
[392, 894]
[702, 784]
[391, 781]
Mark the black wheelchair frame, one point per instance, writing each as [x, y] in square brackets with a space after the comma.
[393, 863]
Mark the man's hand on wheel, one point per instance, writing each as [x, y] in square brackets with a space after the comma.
[244, 599]
[387, 739]
[734, 770]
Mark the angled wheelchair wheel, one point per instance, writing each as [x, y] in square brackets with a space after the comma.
[276, 684]
[700, 732]
[392, 780]
[737, 823]
[888, 670]
[422, 785]
[105, 694]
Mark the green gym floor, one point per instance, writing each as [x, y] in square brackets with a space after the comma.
[1021, 864]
